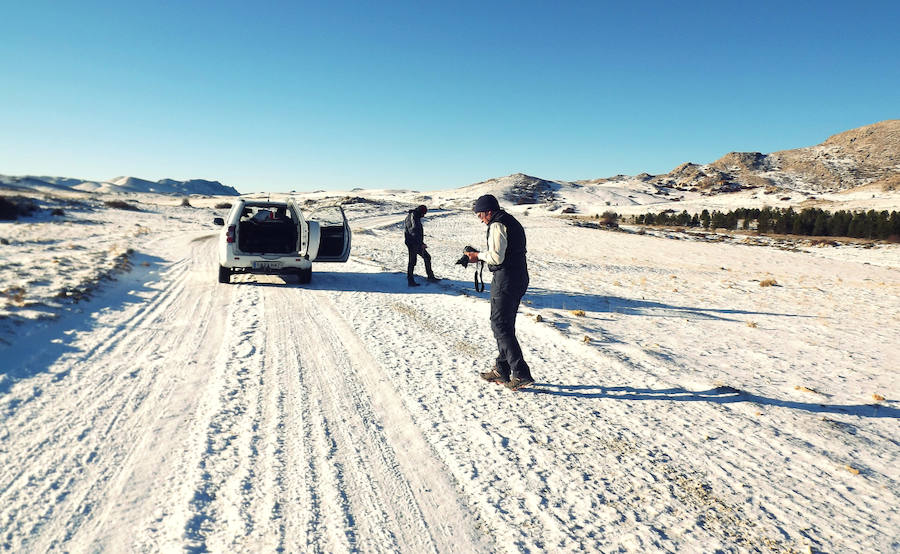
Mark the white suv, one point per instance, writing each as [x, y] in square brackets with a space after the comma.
[263, 236]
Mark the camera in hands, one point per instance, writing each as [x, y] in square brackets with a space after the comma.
[464, 261]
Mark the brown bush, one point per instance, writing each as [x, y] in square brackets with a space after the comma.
[121, 205]
[11, 208]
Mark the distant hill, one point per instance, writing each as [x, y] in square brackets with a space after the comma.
[864, 157]
[517, 188]
[118, 185]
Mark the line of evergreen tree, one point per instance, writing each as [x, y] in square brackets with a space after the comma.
[809, 221]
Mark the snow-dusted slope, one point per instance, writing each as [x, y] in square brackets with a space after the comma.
[866, 156]
[119, 185]
[680, 405]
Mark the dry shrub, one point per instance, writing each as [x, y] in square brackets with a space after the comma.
[186, 202]
[13, 207]
[768, 283]
[223, 206]
[538, 318]
[121, 205]
[752, 324]
[877, 397]
[16, 295]
[579, 313]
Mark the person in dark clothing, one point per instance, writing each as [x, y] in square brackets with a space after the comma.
[505, 258]
[414, 236]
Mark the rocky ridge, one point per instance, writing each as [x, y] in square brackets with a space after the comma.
[868, 156]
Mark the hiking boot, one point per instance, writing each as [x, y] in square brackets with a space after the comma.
[517, 383]
[494, 376]
[412, 284]
[433, 279]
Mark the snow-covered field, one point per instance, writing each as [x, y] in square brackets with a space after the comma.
[680, 405]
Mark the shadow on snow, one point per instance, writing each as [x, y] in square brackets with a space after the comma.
[536, 298]
[718, 395]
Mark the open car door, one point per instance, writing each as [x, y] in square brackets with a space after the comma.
[334, 235]
[302, 228]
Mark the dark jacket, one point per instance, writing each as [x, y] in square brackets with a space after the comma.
[512, 274]
[412, 230]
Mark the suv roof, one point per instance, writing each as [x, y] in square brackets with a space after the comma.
[264, 203]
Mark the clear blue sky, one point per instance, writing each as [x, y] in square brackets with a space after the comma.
[277, 96]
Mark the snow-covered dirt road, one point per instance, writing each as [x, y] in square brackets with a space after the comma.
[192, 414]
[176, 413]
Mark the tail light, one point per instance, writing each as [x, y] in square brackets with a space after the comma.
[229, 234]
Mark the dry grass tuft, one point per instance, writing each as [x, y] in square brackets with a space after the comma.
[121, 205]
[877, 397]
[752, 324]
[538, 318]
[578, 313]
[852, 469]
[15, 295]
[768, 283]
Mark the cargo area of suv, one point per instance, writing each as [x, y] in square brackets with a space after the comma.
[267, 231]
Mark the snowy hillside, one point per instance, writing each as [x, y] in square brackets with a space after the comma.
[680, 406]
[120, 185]
[868, 157]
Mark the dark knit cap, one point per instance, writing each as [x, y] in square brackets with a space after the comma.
[486, 203]
[422, 209]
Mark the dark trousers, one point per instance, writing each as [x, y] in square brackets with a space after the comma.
[413, 252]
[504, 305]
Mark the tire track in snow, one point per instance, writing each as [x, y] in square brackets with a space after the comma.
[295, 454]
[372, 495]
[228, 447]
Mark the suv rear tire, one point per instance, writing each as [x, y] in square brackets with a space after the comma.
[224, 275]
[305, 276]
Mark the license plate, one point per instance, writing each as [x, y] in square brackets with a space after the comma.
[266, 265]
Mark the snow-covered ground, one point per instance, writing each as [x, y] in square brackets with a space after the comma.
[680, 405]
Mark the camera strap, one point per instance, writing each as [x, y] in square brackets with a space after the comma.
[479, 276]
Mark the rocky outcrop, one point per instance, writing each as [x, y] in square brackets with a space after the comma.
[847, 160]
[867, 156]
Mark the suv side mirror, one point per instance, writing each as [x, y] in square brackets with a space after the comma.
[218, 221]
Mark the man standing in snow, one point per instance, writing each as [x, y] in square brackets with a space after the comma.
[414, 236]
[505, 258]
